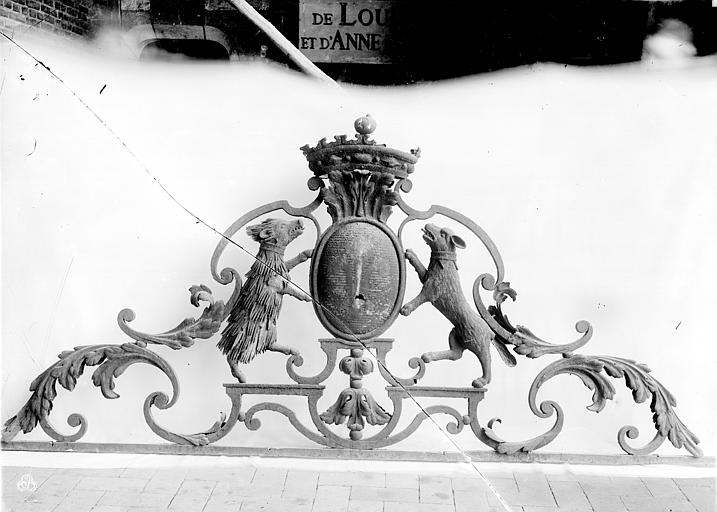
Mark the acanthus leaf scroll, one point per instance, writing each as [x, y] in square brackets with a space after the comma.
[357, 193]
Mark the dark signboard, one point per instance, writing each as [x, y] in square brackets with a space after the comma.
[349, 31]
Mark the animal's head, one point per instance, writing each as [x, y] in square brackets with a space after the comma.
[442, 239]
[276, 231]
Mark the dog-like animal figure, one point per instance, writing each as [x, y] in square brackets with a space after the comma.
[251, 329]
[442, 288]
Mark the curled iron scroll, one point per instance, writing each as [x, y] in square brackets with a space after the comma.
[526, 343]
[298, 361]
[184, 334]
[111, 362]
[253, 423]
[73, 420]
[218, 430]
[488, 436]
[644, 387]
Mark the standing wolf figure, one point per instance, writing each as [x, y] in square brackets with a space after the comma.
[442, 288]
[252, 321]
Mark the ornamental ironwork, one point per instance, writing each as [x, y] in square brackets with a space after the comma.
[357, 283]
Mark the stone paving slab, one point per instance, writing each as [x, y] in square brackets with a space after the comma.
[246, 485]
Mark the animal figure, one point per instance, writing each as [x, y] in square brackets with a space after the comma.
[251, 328]
[442, 288]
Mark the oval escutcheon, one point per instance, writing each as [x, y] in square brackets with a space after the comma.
[357, 275]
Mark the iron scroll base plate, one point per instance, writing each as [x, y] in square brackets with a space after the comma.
[388, 454]
[360, 408]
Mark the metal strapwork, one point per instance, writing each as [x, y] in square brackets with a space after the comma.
[358, 275]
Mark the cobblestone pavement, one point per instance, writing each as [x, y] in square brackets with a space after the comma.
[250, 484]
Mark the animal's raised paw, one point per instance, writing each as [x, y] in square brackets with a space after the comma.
[405, 311]
[426, 358]
[479, 383]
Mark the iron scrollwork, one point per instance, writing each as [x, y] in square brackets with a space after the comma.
[111, 360]
[357, 279]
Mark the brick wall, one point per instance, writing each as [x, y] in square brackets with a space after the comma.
[69, 17]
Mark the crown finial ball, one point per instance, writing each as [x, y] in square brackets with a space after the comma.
[365, 125]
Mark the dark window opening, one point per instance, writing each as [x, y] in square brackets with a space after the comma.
[180, 49]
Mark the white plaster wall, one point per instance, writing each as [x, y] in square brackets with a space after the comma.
[597, 185]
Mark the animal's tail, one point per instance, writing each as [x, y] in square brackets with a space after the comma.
[506, 356]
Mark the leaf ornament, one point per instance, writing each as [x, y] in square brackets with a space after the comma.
[111, 362]
[184, 334]
[593, 372]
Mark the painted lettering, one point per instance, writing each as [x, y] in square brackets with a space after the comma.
[345, 30]
[375, 45]
[350, 41]
[338, 42]
[379, 21]
[365, 17]
[364, 42]
[343, 21]
[322, 18]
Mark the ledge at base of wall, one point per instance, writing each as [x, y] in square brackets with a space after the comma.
[344, 454]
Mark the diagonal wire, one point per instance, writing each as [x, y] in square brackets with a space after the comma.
[467, 458]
